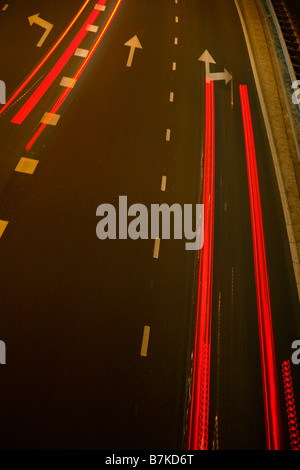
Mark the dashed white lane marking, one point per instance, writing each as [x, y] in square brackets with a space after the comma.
[156, 248]
[26, 165]
[168, 134]
[171, 98]
[176, 19]
[3, 225]
[145, 341]
[5, 7]
[99, 7]
[92, 28]
[175, 41]
[163, 183]
[174, 66]
[50, 118]
[68, 82]
[81, 52]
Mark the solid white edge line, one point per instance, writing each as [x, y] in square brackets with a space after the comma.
[283, 88]
[286, 211]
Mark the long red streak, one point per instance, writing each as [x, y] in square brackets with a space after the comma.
[199, 416]
[268, 360]
[30, 77]
[47, 82]
[290, 405]
[66, 92]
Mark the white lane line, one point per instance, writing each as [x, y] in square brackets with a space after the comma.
[99, 7]
[163, 183]
[67, 82]
[171, 98]
[145, 341]
[156, 248]
[92, 28]
[3, 225]
[81, 52]
[174, 66]
[283, 196]
[175, 41]
[26, 165]
[176, 19]
[50, 118]
[5, 7]
[168, 134]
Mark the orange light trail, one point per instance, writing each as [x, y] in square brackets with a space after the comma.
[268, 361]
[199, 415]
[52, 75]
[66, 92]
[29, 78]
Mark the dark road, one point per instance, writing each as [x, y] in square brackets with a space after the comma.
[74, 307]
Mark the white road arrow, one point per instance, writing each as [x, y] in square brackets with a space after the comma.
[44, 24]
[134, 44]
[207, 58]
[221, 76]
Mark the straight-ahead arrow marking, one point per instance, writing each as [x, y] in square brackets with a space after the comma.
[207, 59]
[44, 24]
[134, 44]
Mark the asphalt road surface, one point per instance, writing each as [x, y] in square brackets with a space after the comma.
[73, 307]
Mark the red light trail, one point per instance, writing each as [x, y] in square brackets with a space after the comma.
[290, 405]
[268, 362]
[199, 416]
[66, 92]
[34, 72]
[47, 82]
